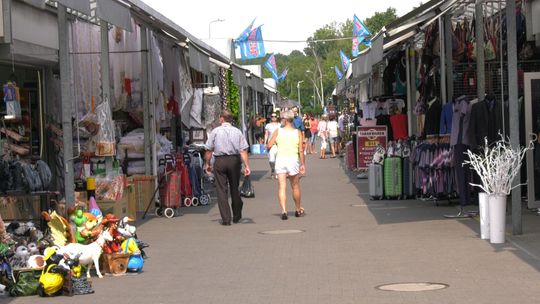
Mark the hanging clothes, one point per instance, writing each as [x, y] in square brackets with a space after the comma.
[486, 121]
[369, 108]
[433, 117]
[399, 126]
[446, 118]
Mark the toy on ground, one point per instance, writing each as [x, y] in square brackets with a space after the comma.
[90, 253]
[52, 275]
[136, 262]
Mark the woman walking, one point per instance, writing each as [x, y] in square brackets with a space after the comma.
[314, 124]
[322, 130]
[270, 128]
[333, 134]
[290, 162]
[307, 133]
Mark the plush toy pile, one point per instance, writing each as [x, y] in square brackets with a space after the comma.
[59, 261]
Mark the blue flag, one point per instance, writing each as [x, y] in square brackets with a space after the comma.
[270, 64]
[283, 74]
[338, 73]
[367, 43]
[359, 29]
[253, 46]
[345, 61]
[245, 34]
[356, 41]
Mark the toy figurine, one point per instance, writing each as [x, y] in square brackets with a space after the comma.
[110, 222]
[87, 227]
[90, 253]
[59, 227]
[136, 262]
[52, 275]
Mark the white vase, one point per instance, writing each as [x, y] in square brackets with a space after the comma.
[484, 215]
[497, 218]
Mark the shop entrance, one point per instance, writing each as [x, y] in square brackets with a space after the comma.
[532, 126]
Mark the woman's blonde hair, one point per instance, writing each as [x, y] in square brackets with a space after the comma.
[287, 115]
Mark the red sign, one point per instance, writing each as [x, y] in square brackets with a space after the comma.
[368, 138]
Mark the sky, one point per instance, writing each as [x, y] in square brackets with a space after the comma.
[281, 19]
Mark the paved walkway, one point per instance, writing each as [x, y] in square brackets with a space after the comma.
[344, 253]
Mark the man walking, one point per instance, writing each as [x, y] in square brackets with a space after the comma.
[229, 147]
[297, 121]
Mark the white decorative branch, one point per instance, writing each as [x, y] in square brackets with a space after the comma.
[498, 166]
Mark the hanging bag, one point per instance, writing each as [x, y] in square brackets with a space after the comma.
[247, 190]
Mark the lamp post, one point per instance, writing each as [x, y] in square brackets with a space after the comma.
[298, 87]
[315, 88]
[209, 26]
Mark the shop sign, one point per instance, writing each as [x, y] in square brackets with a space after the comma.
[368, 138]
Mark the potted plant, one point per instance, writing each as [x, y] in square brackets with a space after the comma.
[497, 166]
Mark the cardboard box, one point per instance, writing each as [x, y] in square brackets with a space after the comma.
[132, 206]
[118, 208]
[143, 190]
[20, 208]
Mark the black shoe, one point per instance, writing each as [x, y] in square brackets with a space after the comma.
[225, 223]
[299, 213]
[236, 219]
[284, 216]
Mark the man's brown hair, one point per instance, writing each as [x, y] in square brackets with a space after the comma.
[227, 115]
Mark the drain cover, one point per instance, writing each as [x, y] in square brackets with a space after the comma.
[286, 231]
[406, 287]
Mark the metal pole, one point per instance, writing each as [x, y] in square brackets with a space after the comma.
[322, 90]
[243, 112]
[514, 109]
[412, 56]
[442, 60]
[449, 59]
[145, 88]
[105, 79]
[480, 59]
[410, 87]
[67, 98]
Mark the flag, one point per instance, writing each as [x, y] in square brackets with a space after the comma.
[359, 29]
[253, 46]
[367, 42]
[345, 61]
[245, 33]
[356, 41]
[338, 73]
[270, 64]
[283, 74]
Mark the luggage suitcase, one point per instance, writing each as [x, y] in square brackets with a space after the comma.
[375, 180]
[393, 177]
[408, 179]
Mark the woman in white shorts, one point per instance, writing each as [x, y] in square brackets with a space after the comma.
[290, 162]
[270, 128]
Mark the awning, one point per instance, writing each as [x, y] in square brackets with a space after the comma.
[114, 13]
[256, 83]
[239, 76]
[198, 59]
[408, 26]
[78, 5]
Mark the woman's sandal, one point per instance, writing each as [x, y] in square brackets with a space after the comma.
[284, 216]
[299, 213]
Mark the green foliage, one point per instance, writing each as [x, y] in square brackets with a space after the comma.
[233, 95]
[376, 22]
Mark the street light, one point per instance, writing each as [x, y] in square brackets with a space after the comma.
[209, 28]
[298, 87]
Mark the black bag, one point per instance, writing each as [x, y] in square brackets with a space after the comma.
[45, 174]
[247, 190]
